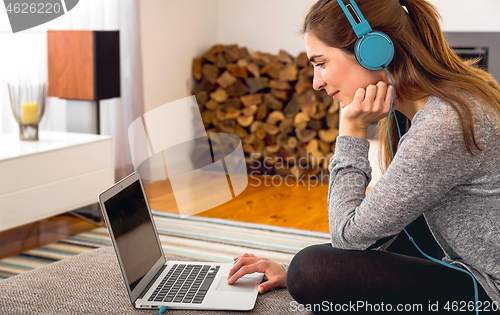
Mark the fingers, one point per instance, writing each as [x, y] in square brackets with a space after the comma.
[244, 255]
[256, 266]
[359, 96]
[377, 98]
[268, 285]
[240, 261]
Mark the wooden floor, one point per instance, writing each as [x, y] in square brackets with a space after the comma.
[33, 235]
[266, 200]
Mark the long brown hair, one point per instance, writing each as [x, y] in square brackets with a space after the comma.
[424, 63]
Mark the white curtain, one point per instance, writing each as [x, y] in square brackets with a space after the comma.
[23, 58]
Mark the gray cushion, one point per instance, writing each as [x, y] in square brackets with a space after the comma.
[91, 283]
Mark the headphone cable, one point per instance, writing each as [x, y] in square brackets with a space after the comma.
[408, 234]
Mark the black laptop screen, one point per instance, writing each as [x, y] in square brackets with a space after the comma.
[134, 232]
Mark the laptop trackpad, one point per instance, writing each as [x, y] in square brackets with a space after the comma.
[241, 285]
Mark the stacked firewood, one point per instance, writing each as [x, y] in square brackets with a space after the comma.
[285, 126]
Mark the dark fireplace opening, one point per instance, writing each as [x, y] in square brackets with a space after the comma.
[468, 53]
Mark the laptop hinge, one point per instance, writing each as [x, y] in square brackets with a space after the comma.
[151, 282]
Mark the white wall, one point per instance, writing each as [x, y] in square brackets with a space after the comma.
[469, 16]
[266, 25]
[172, 34]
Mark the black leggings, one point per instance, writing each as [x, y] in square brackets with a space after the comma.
[325, 279]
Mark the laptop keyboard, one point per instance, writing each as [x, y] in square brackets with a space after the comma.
[185, 284]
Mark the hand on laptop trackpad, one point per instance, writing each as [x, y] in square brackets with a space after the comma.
[242, 285]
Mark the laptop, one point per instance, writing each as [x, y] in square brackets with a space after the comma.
[151, 280]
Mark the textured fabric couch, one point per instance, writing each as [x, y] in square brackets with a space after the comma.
[91, 283]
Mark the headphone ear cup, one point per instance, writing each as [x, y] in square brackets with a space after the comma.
[374, 51]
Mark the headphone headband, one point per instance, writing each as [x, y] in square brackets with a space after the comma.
[359, 24]
[373, 49]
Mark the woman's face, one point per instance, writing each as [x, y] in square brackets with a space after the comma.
[339, 73]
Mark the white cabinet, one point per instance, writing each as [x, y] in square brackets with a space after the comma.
[60, 172]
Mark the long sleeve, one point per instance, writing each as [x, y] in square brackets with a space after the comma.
[431, 163]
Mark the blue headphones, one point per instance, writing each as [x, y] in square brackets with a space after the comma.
[374, 50]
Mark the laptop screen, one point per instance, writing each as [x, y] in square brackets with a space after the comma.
[134, 232]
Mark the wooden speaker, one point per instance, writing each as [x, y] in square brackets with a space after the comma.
[83, 65]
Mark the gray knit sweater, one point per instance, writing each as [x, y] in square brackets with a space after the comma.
[434, 175]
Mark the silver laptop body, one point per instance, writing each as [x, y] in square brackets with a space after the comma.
[149, 277]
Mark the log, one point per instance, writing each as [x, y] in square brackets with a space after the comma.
[273, 69]
[226, 113]
[273, 148]
[233, 102]
[301, 60]
[315, 124]
[292, 143]
[271, 102]
[334, 107]
[280, 85]
[208, 117]
[197, 67]
[219, 95]
[271, 129]
[293, 106]
[303, 84]
[240, 132]
[260, 134]
[254, 69]
[256, 125]
[324, 147]
[225, 125]
[320, 114]
[261, 112]
[309, 103]
[301, 120]
[249, 139]
[285, 57]
[261, 59]
[274, 117]
[245, 121]
[329, 135]
[286, 125]
[210, 72]
[288, 73]
[201, 97]
[251, 99]
[249, 110]
[332, 120]
[256, 84]
[280, 94]
[237, 89]
[242, 62]
[305, 135]
[220, 61]
[204, 85]
[211, 105]
[226, 79]
[237, 71]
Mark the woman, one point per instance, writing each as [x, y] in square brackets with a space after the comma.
[446, 167]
